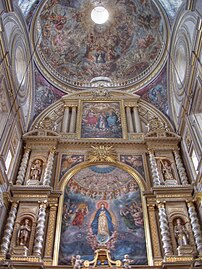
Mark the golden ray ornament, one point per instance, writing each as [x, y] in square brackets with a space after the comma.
[102, 153]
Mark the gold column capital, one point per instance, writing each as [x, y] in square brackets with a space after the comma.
[161, 204]
[190, 203]
[53, 150]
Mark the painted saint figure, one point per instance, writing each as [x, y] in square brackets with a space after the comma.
[102, 225]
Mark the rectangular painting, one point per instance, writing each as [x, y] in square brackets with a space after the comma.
[68, 161]
[101, 120]
[135, 161]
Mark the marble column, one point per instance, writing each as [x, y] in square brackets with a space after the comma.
[72, 127]
[136, 120]
[180, 168]
[9, 229]
[165, 231]
[129, 120]
[154, 170]
[65, 122]
[40, 230]
[23, 167]
[49, 168]
[196, 228]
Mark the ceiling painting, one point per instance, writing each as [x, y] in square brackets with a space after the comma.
[45, 93]
[75, 50]
[156, 92]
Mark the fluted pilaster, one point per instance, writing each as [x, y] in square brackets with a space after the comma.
[23, 167]
[195, 226]
[50, 232]
[40, 230]
[129, 120]
[65, 122]
[136, 120]
[180, 168]
[72, 127]
[154, 170]
[165, 231]
[9, 229]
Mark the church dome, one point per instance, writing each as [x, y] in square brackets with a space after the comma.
[72, 49]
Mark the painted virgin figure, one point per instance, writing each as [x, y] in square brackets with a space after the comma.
[102, 225]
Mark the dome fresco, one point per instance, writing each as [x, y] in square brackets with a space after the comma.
[73, 49]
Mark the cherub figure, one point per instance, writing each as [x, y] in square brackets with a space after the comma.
[77, 262]
[126, 262]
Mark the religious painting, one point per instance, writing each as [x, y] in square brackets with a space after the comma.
[101, 120]
[126, 46]
[68, 161]
[102, 209]
[135, 161]
[156, 92]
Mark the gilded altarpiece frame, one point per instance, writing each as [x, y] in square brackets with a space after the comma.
[101, 119]
[67, 180]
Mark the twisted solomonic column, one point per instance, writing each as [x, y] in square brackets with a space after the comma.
[40, 230]
[23, 167]
[165, 231]
[180, 168]
[9, 229]
[49, 168]
[196, 228]
[154, 170]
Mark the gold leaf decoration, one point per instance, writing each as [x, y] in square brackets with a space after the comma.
[102, 153]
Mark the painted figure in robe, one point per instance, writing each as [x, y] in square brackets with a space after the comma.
[102, 225]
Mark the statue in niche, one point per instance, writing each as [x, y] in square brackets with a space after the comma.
[181, 233]
[36, 170]
[23, 235]
[166, 170]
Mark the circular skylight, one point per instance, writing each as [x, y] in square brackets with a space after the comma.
[99, 15]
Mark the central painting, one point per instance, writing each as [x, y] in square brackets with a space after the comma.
[102, 208]
[101, 120]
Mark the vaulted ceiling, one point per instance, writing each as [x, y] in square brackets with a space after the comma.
[129, 52]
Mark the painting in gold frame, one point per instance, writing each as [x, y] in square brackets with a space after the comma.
[101, 120]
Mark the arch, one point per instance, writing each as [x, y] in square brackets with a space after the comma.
[73, 171]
